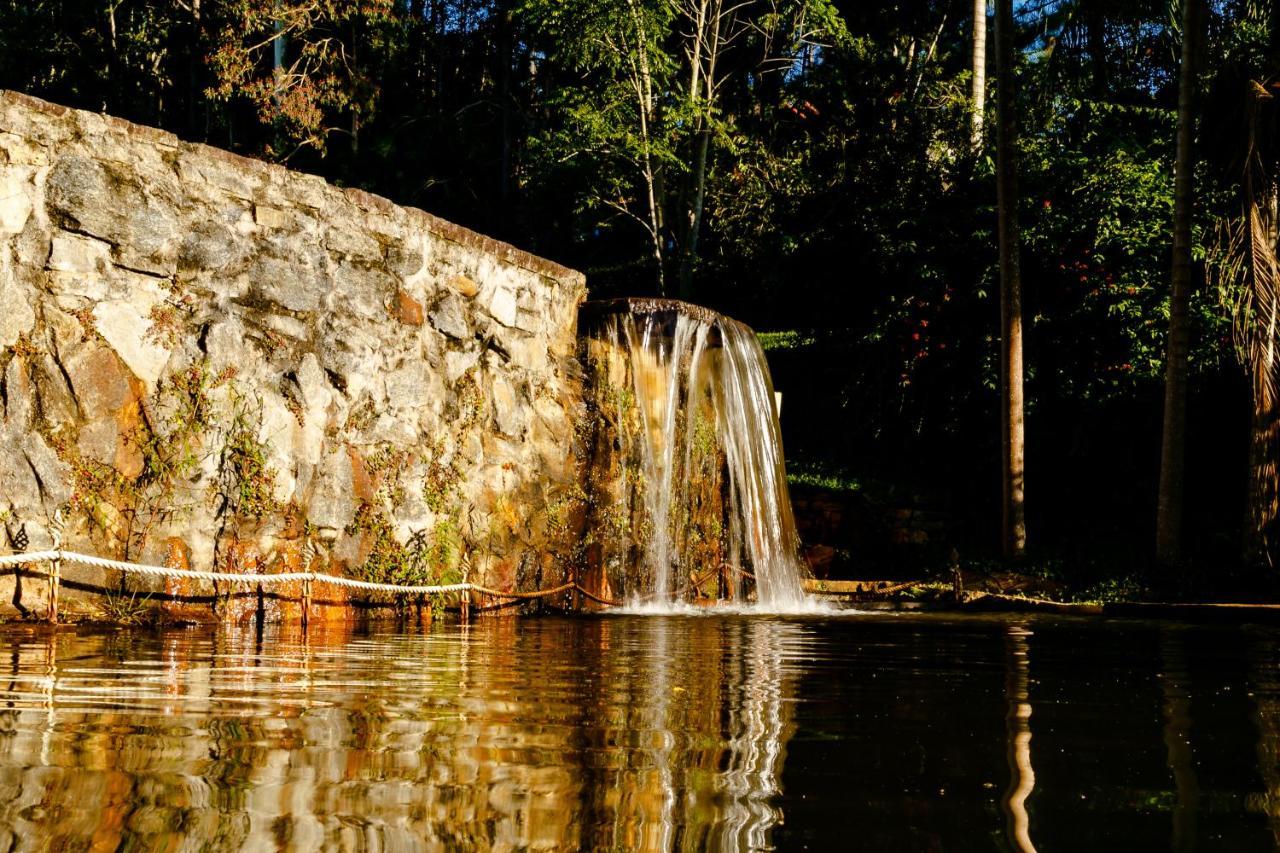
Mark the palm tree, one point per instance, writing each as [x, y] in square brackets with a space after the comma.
[1247, 112]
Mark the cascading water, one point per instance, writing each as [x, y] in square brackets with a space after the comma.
[686, 482]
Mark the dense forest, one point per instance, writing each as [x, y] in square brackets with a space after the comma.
[894, 194]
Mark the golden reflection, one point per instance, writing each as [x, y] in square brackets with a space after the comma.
[1022, 778]
[1174, 685]
[662, 734]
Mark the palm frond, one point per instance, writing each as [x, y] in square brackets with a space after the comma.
[1245, 254]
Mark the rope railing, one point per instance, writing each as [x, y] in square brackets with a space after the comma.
[57, 557]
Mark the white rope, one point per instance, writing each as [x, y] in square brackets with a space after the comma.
[390, 587]
[284, 577]
[27, 557]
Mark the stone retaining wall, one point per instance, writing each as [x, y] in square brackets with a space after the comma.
[211, 361]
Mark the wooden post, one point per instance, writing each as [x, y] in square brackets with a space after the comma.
[575, 597]
[55, 565]
[306, 602]
[466, 605]
[55, 578]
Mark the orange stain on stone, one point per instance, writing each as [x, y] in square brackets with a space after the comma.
[407, 309]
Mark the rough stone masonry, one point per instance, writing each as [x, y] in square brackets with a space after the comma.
[210, 361]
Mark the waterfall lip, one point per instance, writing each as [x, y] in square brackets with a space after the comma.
[649, 305]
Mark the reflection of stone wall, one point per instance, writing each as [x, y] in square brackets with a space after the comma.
[209, 359]
[342, 740]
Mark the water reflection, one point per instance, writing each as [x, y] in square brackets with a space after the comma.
[665, 738]
[1022, 778]
[1177, 738]
[671, 733]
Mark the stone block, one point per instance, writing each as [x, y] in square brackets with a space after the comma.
[451, 316]
[15, 198]
[502, 305]
[271, 217]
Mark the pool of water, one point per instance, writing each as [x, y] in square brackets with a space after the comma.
[909, 733]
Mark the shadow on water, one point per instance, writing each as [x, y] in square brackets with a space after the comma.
[726, 732]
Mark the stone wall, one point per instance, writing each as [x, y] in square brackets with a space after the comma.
[210, 361]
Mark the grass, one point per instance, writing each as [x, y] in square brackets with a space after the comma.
[787, 339]
[126, 609]
[817, 474]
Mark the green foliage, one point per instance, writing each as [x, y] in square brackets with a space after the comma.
[784, 340]
[821, 475]
[250, 479]
[123, 508]
[560, 512]
[427, 558]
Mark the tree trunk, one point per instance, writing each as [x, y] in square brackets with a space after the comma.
[647, 106]
[1096, 30]
[505, 58]
[1014, 529]
[978, 83]
[1173, 447]
[695, 216]
[194, 66]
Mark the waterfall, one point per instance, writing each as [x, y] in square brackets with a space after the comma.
[686, 479]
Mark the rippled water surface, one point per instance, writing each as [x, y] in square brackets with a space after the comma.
[645, 732]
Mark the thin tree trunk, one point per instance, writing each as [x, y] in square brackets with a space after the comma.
[978, 83]
[1014, 529]
[706, 20]
[1173, 447]
[194, 53]
[647, 104]
[1097, 35]
[505, 60]
[695, 216]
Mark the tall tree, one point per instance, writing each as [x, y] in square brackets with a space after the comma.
[978, 82]
[1173, 446]
[1012, 432]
